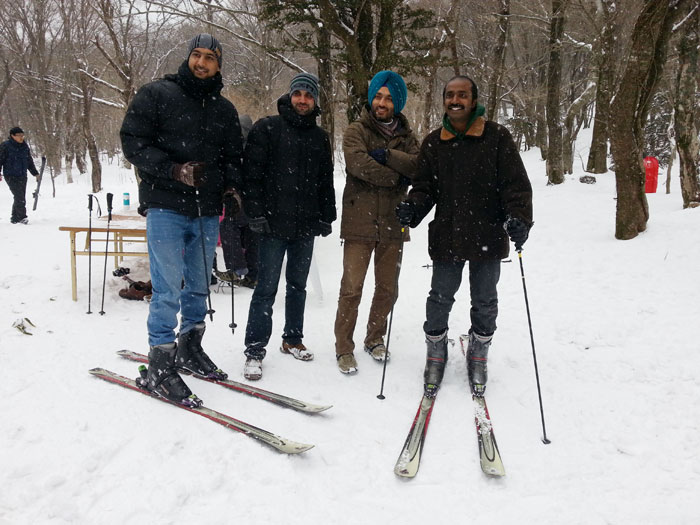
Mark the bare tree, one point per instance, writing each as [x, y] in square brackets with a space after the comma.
[498, 59]
[555, 166]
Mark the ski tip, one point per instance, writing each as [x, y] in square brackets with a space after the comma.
[297, 448]
[96, 371]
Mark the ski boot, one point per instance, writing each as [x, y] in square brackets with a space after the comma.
[162, 379]
[477, 355]
[435, 362]
[192, 358]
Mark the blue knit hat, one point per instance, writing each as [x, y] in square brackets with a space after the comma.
[307, 82]
[396, 85]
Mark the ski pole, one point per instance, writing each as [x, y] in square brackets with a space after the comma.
[90, 196]
[391, 314]
[104, 275]
[534, 356]
[210, 311]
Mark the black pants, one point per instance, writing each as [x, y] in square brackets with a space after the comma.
[447, 277]
[18, 187]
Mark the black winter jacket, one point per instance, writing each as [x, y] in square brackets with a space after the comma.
[16, 159]
[475, 182]
[177, 119]
[289, 173]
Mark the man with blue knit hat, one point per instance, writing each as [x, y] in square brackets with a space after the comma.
[15, 161]
[380, 161]
[185, 140]
[289, 197]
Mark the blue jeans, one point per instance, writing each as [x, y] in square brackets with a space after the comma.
[175, 252]
[447, 277]
[271, 255]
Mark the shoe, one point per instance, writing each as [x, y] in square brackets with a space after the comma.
[137, 291]
[253, 369]
[435, 362]
[227, 277]
[248, 282]
[299, 351]
[347, 364]
[191, 357]
[162, 378]
[378, 351]
[477, 356]
[24, 221]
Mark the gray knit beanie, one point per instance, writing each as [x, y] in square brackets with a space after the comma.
[206, 41]
[307, 82]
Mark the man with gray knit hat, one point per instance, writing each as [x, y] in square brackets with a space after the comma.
[380, 161]
[185, 140]
[289, 198]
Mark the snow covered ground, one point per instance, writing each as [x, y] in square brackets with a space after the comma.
[615, 326]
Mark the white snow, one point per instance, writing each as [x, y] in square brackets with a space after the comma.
[615, 326]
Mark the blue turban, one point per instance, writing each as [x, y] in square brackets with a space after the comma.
[395, 84]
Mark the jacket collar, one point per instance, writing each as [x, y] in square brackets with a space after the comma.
[475, 127]
[366, 120]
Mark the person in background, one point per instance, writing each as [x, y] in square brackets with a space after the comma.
[471, 171]
[239, 243]
[289, 198]
[185, 140]
[15, 161]
[380, 161]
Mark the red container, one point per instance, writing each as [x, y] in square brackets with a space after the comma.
[651, 170]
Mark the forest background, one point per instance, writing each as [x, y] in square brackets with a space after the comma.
[545, 69]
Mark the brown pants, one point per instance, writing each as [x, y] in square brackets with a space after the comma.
[356, 258]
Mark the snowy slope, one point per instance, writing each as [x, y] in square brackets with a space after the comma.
[615, 326]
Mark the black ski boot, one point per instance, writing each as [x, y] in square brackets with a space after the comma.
[192, 358]
[163, 380]
[477, 356]
[435, 363]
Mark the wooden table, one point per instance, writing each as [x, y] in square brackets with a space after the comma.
[122, 237]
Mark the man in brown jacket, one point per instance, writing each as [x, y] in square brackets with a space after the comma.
[471, 171]
[380, 161]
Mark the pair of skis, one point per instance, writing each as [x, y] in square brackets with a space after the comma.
[489, 456]
[281, 444]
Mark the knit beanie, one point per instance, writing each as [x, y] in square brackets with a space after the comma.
[307, 82]
[395, 84]
[16, 130]
[206, 41]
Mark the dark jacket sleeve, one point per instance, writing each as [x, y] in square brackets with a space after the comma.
[3, 156]
[139, 133]
[232, 157]
[326, 190]
[255, 159]
[514, 184]
[30, 163]
[424, 191]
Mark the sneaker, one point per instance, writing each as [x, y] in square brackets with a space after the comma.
[378, 352]
[435, 362]
[477, 356]
[299, 351]
[24, 221]
[227, 277]
[248, 282]
[347, 364]
[253, 369]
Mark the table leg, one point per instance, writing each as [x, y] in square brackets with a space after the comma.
[73, 272]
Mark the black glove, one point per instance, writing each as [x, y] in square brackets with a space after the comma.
[517, 231]
[379, 155]
[190, 173]
[259, 225]
[232, 202]
[324, 229]
[406, 212]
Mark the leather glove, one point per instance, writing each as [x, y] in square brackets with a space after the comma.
[406, 212]
[324, 229]
[259, 225]
[379, 155]
[232, 202]
[190, 173]
[517, 230]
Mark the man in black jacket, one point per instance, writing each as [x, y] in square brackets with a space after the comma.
[185, 140]
[289, 198]
[471, 171]
[15, 160]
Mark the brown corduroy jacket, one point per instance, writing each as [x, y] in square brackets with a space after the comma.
[373, 190]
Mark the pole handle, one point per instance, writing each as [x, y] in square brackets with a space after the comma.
[110, 196]
[90, 196]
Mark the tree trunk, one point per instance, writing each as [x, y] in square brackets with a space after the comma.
[628, 114]
[604, 53]
[687, 141]
[541, 115]
[572, 125]
[555, 167]
[88, 87]
[499, 56]
[325, 77]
